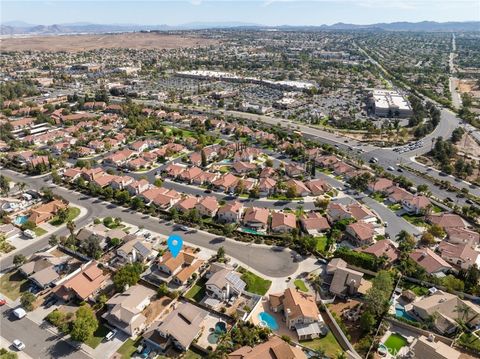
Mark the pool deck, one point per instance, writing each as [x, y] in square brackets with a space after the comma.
[208, 323]
[282, 328]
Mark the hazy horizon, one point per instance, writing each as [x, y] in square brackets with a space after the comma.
[263, 12]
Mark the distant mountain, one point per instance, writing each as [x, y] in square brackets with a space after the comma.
[20, 27]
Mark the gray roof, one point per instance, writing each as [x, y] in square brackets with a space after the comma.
[140, 247]
[308, 329]
[45, 276]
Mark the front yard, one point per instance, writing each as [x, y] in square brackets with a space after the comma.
[73, 213]
[417, 221]
[39, 231]
[322, 243]
[98, 336]
[129, 348]
[12, 284]
[300, 285]
[255, 284]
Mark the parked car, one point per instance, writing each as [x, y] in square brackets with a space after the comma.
[19, 313]
[18, 344]
[110, 335]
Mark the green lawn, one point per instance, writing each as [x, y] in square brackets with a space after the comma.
[129, 347]
[73, 213]
[322, 243]
[98, 336]
[415, 288]
[415, 220]
[328, 344]
[395, 206]
[255, 284]
[469, 341]
[300, 285]
[190, 354]
[12, 284]
[395, 342]
[39, 231]
[436, 209]
[377, 196]
[197, 292]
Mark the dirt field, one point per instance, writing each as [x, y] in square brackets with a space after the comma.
[468, 146]
[77, 43]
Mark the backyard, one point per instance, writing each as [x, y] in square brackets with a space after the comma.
[328, 344]
[197, 292]
[129, 347]
[255, 284]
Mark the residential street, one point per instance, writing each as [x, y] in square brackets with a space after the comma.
[270, 261]
[40, 343]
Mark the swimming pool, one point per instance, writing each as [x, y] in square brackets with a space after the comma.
[251, 231]
[220, 328]
[268, 320]
[401, 313]
[20, 220]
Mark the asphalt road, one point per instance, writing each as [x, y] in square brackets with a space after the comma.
[39, 342]
[270, 261]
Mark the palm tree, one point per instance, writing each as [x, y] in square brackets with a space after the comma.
[402, 236]
[463, 310]
[71, 227]
[317, 283]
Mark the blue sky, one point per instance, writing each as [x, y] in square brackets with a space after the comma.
[267, 12]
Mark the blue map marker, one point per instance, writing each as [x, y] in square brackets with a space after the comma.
[175, 243]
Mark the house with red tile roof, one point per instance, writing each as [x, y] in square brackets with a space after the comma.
[300, 189]
[266, 186]
[293, 170]
[314, 223]
[256, 218]
[208, 206]
[430, 261]
[226, 182]
[120, 157]
[397, 194]
[283, 222]
[135, 164]
[186, 204]
[46, 211]
[417, 204]
[460, 255]
[380, 185]
[326, 161]
[230, 212]
[137, 187]
[462, 235]
[318, 186]
[267, 172]
[174, 170]
[121, 182]
[84, 284]
[360, 233]
[383, 248]
[244, 167]
[446, 220]
[189, 174]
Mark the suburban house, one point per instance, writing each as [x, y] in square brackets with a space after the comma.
[43, 269]
[345, 282]
[226, 182]
[230, 212]
[314, 223]
[274, 348]
[462, 255]
[318, 186]
[397, 194]
[446, 220]
[380, 185]
[137, 187]
[283, 222]
[418, 204]
[300, 189]
[224, 284]
[186, 204]
[9, 231]
[136, 250]
[383, 248]
[177, 269]
[462, 235]
[124, 310]
[424, 347]
[84, 284]
[207, 206]
[179, 328]
[300, 311]
[266, 186]
[430, 261]
[446, 306]
[46, 212]
[360, 233]
[256, 218]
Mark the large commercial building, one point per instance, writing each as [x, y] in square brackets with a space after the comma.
[388, 103]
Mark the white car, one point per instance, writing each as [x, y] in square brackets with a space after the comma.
[19, 313]
[110, 335]
[18, 344]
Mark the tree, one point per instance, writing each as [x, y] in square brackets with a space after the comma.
[71, 227]
[19, 259]
[203, 158]
[5, 354]
[377, 297]
[422, 188]
[127, 275]
[91, 247]
[62, 215]
[221, 254]
[27, 299]
[436, 231]
[367, 321]
[53, 240]
[291, 191]
[84, 325]
[4, 185]
[427, 239]
[162, 290]
[158, 182]
[463, 311]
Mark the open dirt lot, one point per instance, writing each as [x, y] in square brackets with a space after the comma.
[76, 43]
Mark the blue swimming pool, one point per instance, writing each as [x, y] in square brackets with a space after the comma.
[401, 313]
[20, 220]
[269, 320]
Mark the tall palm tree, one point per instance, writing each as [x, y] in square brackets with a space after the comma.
[71, 227]
[463, 310]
